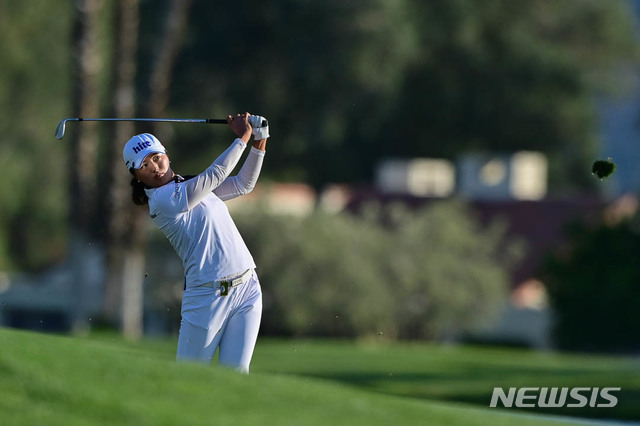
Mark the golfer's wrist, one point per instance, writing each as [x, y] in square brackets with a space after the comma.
[246, 137]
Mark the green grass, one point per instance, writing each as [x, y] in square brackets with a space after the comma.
[457, 373]
[103, 380]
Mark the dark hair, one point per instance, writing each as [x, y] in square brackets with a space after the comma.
[138, 195]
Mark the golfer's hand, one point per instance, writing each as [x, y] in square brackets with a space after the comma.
[259, 131]
[239, 124]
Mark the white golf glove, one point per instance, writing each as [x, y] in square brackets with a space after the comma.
[257, 129]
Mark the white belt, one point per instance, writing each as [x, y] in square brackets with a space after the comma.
[229, 281]
[239, 279]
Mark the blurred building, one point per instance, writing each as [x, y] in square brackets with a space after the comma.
[48, 301]
[423, 177]
[519, 176]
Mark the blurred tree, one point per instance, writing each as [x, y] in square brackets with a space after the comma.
[425, 275]
[594, 287]
[88, 61]
[126, 222]
[505, 76]
[119, 221]
[447, 270]
[345, 83]
[33, 91]
[314, 69]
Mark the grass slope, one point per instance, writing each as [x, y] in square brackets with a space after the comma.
[55, 380]
[457, 373]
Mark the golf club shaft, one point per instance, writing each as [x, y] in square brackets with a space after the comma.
[61, 126]
[161, 120]
[157, 120]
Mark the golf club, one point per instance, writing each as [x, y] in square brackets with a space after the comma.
[60, 128]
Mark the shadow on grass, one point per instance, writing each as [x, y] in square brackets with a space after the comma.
[475, 387]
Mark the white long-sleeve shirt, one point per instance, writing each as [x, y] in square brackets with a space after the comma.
[194, 218]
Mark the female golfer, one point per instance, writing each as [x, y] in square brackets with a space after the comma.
[222, 299]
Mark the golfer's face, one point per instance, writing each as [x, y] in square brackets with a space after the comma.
[155, 170]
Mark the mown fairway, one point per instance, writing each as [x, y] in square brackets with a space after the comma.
[56, 380]
[459, 373]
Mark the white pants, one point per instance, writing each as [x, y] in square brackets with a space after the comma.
[230, 323]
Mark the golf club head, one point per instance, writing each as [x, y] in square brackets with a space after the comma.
[60, 129]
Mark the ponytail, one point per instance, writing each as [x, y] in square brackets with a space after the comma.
[138, 195]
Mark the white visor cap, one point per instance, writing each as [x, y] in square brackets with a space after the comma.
[139, 147]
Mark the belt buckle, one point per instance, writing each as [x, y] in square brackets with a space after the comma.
[224, 288]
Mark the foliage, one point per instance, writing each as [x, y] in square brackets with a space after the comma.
[342, 83]
[33, 91]
[594, 287]
[346, 83]
[423, 275]
[502, 75]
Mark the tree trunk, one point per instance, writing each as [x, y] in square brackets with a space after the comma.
[120, 275]
[84, 144]
[165, 57]
[127, 223]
